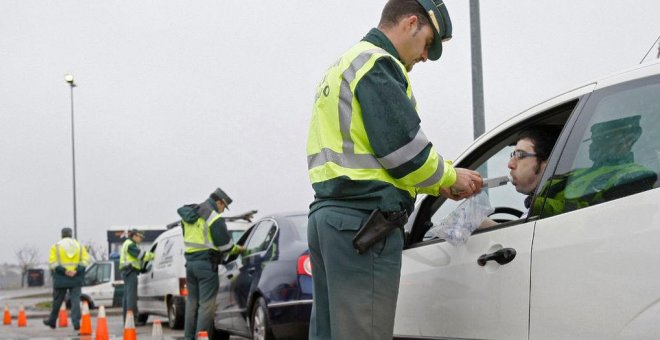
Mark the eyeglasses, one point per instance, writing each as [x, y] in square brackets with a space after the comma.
[520, 154]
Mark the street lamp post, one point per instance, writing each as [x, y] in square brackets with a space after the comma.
[69, 79]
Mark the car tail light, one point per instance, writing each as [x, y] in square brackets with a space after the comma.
[304, 265]
[183, 286]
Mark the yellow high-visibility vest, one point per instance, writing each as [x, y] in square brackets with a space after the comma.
[68, 253]
[126, 259]
[197, 235]
[338, 145]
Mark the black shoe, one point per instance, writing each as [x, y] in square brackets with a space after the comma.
[76, 328]
[47, 323]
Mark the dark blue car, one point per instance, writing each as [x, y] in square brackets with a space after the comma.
[266, 293]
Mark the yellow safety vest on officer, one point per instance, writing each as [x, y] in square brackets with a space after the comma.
[197, 235]
[128, 256]
[69, 254]
[338, 145]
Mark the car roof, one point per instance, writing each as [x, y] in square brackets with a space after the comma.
[286, 214]
[635, 72]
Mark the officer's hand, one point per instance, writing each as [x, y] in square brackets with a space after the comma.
[468, 183]
[236, 249]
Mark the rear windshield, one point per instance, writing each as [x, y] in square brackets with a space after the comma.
[300, 221]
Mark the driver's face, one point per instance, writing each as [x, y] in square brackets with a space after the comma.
[526, 172]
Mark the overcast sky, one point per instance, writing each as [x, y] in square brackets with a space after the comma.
[176, 98]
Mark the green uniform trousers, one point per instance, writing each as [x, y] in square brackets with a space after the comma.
[202, 281]
[129, 301]
[59, 294]
[354, 295]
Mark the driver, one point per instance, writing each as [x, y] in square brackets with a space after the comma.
[528, 161]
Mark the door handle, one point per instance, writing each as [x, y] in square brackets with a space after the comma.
[502, 256]
[251, 270]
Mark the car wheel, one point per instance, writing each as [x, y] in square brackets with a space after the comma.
[175, 314]
[220, 335]
[260, 323]
[142, 318]
[90, 304]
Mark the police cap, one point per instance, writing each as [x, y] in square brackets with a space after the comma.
[219, 195]
[441, 24]
[622, 126]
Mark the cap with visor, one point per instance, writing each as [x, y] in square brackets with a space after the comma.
[441, 23]
[219, 195]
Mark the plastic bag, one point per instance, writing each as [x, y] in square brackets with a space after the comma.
[457, 227]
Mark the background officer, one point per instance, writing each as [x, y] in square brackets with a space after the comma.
[68, 259]
[613, 174]
[206, 239]
[131, 262]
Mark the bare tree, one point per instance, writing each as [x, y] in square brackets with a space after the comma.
[28, 257]
[97, 252]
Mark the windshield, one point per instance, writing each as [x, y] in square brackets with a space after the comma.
[300, 222]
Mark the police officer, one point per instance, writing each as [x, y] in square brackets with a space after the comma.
[131, 263]
[613, 174]
[366, 153]
[206, 238]
[68, 259]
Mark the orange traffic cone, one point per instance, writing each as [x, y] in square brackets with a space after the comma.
[86, 320]
[157, 331]
[22, 319]
[7, 316]
[202, 335]
[62, 317]
[102, 325]
[129, 326]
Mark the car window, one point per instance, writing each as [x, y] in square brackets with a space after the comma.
[490, 160]
[504, 196]
[614, 151]
[261, 236]
[90, 275]
[103, 273]
[236, 235]
[300, 221]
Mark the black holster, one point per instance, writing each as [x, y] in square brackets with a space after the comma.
[378, 226]
[215, 257]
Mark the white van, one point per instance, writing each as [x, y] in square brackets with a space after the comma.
[162, 289]
[102, 285]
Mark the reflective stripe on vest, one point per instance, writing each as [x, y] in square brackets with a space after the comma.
[125, 258]
[72, 262]
[338, 144]
[197, 236]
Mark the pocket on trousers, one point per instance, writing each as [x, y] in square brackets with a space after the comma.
[345, 222]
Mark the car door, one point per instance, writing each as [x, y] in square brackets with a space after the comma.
[594, 263]
[250, 269]
[98, 286]
[103, 276]
[444, 291]
[145, 294]
[239, 276]
[226, 304]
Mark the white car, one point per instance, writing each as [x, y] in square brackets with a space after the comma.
[102, 286]
[162, 289]
[587, 271]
